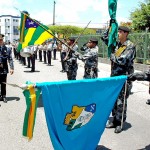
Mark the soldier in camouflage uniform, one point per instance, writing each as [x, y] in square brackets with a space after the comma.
[71, 60]
[90, 59]
[122, 59]
[143, 76]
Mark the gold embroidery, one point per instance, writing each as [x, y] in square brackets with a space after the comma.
[120, 51]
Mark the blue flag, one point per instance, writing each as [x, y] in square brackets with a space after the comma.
[77, 111]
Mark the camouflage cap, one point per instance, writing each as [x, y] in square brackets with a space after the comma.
[72, 39]
[94, 40]
[123, 28]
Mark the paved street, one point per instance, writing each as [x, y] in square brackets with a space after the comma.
[136, 134]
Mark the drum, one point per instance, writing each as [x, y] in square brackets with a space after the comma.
[26, 52]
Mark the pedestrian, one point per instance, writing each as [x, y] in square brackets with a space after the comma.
[29, 62]
[5, 58]
[15, 49]
[32, 57]
[122, 60]
[142, 76]
[71, 60]
[90, 58]
[63, 55]
[49, 52]
[54, 48]
[9, 45]
[40, 48]
[45, 52]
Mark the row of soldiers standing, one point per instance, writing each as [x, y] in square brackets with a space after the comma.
[69, 55]
[44, 51]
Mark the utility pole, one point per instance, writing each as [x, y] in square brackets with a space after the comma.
[54, 13]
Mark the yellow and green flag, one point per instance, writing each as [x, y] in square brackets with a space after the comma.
[32, 98]
[32, 32]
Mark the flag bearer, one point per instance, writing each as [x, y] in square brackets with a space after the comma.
[71, 59]
[122, 60]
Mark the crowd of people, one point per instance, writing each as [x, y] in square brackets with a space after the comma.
[122, 63]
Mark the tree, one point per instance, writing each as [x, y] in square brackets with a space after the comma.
[127, 24]
[69, 30]
[141, 16]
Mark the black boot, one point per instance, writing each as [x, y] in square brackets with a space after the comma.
[110, 124]
[4, 99]
[148, 102]
[1, 98]
[118, 129]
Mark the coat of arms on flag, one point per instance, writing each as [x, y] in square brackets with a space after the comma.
[79, 116]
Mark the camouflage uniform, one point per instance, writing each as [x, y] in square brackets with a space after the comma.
[144, 76]
[90, 59]
[121, 65]
[140, 76]
[71, 65]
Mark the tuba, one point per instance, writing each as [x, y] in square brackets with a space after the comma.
[26, 52]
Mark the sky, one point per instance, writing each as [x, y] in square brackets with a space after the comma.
[70, 12]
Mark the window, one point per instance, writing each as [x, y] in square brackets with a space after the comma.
[15, 30]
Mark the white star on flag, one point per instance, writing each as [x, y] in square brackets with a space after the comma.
[31, 22]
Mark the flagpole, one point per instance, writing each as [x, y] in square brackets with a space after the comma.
[124, 103]
[81, 34]
[77, 40]
[54, 13]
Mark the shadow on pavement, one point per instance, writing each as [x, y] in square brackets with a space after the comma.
[13, 98]
[31, 71]
[126, 126]
[40, 103]
[50, 65]
[101, 147]
[146, 148]
[27, 67]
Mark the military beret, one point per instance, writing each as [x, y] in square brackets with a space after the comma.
[94, 40]
[123, 28]
[1, 36]
[72, 39]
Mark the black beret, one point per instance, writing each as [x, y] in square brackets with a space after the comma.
[1, 36]
[72, 39]
[123, 28]
[94, 40]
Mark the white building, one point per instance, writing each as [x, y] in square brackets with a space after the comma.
[9, 26]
